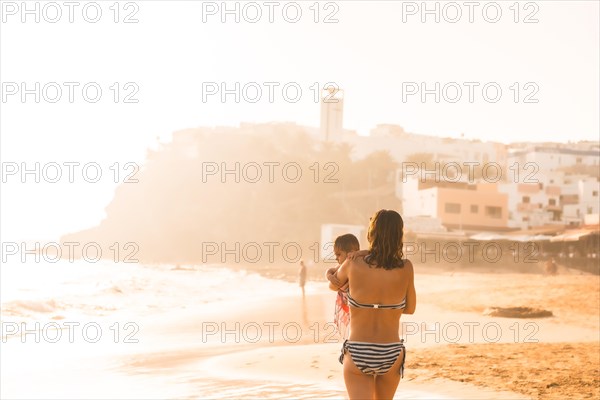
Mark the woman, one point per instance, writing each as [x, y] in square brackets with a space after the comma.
[381, 290]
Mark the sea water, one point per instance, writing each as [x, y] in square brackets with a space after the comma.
[67, 290]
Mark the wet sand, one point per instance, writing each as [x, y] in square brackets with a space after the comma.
[545, 358]
[283, 347]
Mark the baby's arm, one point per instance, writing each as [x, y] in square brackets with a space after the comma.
[342, 275]
[329, 274]
[333, 281]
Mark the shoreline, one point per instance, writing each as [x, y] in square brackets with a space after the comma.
[183, 353]
[316, 370]
[316, 272]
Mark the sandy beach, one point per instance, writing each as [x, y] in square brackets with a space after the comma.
[272, 344]
[558, 359]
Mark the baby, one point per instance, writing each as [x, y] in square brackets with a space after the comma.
[342, 246]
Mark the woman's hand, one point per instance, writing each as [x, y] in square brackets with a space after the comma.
[355, 254]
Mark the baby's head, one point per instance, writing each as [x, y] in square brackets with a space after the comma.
[343, 245]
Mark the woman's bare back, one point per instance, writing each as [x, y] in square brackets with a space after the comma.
[372, 285]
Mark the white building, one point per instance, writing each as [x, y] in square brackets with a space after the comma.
[552, 158]
[581, 200]
[415, 201]
[532, 204]
[557, 198]
[401, 145]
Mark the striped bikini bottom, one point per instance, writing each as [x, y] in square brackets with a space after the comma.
[374, 358]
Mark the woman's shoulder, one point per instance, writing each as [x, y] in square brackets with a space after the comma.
[358, 261]
[358, 264]
[407, 264]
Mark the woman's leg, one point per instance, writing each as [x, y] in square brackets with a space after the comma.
[359, 386]
[386, 384]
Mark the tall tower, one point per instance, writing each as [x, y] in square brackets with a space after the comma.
[332, 113]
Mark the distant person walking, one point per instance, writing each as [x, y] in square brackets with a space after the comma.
[551, 268]
[302, 276]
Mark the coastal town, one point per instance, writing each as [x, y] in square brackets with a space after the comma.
[544, 195]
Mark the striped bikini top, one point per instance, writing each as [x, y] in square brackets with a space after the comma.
[356, 304]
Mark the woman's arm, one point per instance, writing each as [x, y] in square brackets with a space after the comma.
[411, 295]
[342, 274]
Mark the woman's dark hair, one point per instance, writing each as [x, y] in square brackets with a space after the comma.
[385, 240]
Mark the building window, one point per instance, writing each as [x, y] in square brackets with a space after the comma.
[452, 208]
[578, 160]
[552, 202]
[525, 219]
[595, 193]
[493, 212]
[526, 199]
[589, 210]
[474, 208]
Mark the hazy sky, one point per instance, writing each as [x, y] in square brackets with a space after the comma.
[170, 54]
